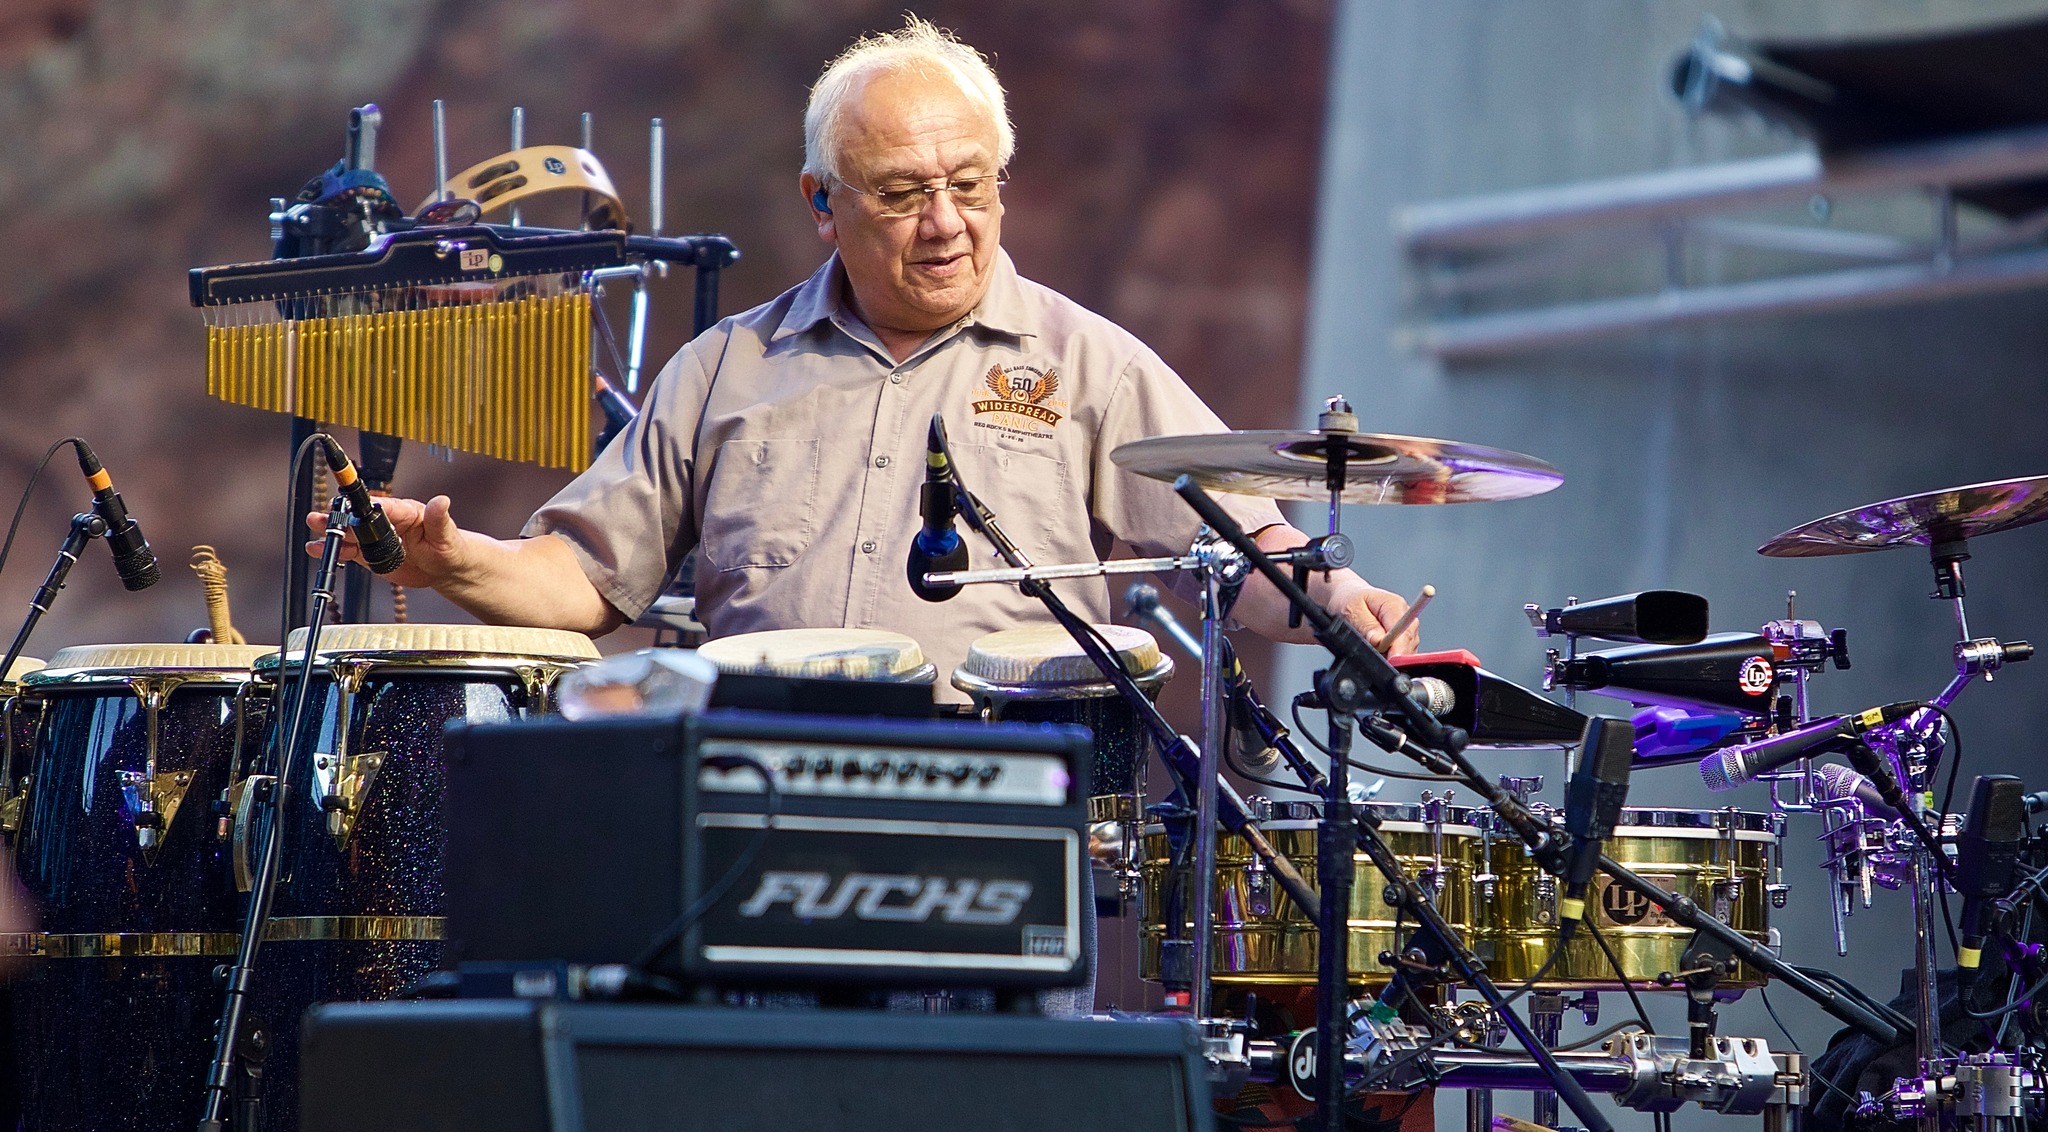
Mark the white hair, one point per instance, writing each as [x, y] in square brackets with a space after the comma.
[918, 47]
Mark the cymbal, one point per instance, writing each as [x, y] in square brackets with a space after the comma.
[1918, 520]
[1379, 468]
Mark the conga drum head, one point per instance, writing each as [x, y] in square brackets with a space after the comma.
[473, 643]
[115, 664]
[1045, 662]
[845, 654]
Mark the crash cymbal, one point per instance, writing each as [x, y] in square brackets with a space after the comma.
[1279, 464]
[1919, 520]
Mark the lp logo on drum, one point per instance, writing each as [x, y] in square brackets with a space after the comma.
[1626, 908]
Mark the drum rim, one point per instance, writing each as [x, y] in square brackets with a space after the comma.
[419, 658]
[1701, 821]
[54, 678]
[981, 687]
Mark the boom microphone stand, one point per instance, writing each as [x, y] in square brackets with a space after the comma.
[85, 527]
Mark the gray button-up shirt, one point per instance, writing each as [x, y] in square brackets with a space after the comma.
[787, 445]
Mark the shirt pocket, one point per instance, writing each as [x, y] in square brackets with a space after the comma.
[761, 507]
[1033, 499]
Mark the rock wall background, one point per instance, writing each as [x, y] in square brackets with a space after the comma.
[1165, 176]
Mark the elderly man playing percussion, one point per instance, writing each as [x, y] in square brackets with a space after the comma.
[787, 443]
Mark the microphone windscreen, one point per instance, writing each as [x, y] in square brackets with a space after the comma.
[138, 568]
[1722, 771]
[1435, 695]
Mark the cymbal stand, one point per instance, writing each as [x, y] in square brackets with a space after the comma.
[1914, 751]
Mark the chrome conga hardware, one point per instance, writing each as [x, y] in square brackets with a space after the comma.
[1544, 909]
[1523, 787]
[1433, 809]
[1258, 882]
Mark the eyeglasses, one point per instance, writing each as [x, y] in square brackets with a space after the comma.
[969, 193]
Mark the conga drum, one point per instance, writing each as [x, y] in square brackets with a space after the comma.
[1038, 674]
[359, 907]
[120, 855]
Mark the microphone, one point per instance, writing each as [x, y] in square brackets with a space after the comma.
[133, 559]
[937, 545]
[1987, 858]
[1143, 598]
[383, 551]
[1593, 801]
[1727, 769]
[1838, 783]
[1492, 710]
[1436, 695]
[1255, 756]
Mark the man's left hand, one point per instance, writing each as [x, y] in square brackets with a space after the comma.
[1372, 611]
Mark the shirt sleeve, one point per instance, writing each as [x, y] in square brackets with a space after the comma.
[1145, 514]
[631, 517]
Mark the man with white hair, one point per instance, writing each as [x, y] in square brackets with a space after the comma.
[787, 443]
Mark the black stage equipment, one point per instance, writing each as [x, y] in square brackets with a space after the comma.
[512, 1066]
[892, 853]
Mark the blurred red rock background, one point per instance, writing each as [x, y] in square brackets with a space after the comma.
[1165, 176]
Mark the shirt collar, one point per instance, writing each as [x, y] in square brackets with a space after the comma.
[820, 298]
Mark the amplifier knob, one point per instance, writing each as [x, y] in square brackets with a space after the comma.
[960, 773]
[905, 771]
[821, 766]
[792, 766]
[988, 773]
[850, 770]
[877, 770]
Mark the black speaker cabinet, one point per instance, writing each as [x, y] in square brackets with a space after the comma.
[526, 1066]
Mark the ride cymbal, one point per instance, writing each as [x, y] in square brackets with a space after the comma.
[1918, 520]
[1379, 468]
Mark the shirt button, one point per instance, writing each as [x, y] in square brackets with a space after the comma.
[881, 461]
[895, 379]
[867, 547]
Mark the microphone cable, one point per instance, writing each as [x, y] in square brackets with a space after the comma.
[20, 508]
[712, 895]
[1369, 768]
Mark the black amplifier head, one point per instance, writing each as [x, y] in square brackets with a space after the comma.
[890, 853]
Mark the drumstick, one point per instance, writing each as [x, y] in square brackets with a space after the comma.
[1401, 626]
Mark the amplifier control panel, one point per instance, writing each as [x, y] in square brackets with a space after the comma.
[827, 769]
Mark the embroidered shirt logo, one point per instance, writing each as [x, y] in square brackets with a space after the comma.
[1024, 397]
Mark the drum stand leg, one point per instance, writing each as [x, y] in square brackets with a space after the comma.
[1546, 1017]
[1478, 1110]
